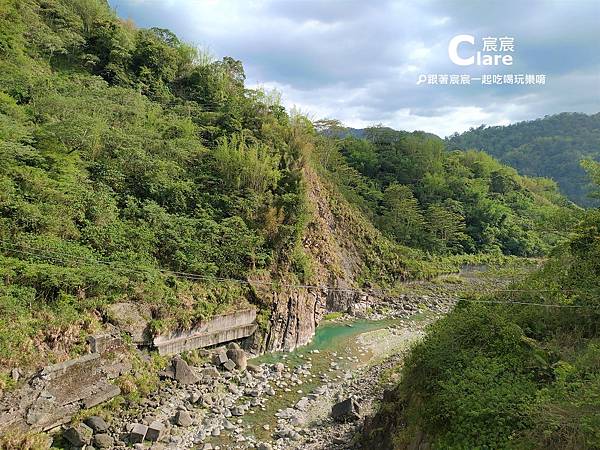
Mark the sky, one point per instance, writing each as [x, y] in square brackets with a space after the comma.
[360, 61]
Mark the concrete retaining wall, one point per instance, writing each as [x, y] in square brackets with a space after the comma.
[219, 329]
[56, 393]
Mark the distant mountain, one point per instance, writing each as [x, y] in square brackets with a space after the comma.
[550, 147]
[363, 133]
[356, 132]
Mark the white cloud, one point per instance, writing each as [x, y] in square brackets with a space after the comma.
[358, 61]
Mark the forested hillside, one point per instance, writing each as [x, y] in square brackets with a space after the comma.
[137, 167]
[125, 154]
[457, 202]
[519, 375]
[551, 147]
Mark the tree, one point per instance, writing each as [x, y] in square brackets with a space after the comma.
[593, 170]
[108, 51]
[246, 165]
[330, 127]
[401, 215]
[447, 226]
[549, 147]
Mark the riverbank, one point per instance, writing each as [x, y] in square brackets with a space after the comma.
[383, 350]
[277, 400]
[223, 398]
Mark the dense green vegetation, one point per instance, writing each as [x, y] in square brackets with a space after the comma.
[510, 376]
[130, 160]
[458, 202]
[550, 147]
[136, 167]
[126, 153]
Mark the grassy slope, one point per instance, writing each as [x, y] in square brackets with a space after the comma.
[108, 181]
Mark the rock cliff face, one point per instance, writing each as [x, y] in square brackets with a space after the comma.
[294, 318]
[342, 298]
[295, 312]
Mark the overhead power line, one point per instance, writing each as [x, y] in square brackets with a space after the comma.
[66, 258]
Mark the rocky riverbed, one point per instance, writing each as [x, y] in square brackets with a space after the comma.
[229, 403]
[281, 400]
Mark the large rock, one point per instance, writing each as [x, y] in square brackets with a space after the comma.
[102, 392]
[211, 372]
[104, 440]
[183, 418]
[236, 411]
[131, 318]
[183, 372]
[264, 446]
[57, 392]
[294, 317]
[253, 368]
[345, 411]
[303, 404]
[46, 413]
[104, 342]
[15, 374]
[97, 424]
[138, 433]
[220, 357]
[238, 356]
[156, 431]
[79, 435]
[207, 399]
[229, 365]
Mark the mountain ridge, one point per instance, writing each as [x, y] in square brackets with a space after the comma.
[551, 146]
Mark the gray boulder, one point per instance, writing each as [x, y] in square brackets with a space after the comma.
[138, 433]
[208, 399]
[229, 365]
[253, 368]
[78, 435]
[238, 356]
[103, 440]
[303, 404]
[183, 372]
[346, 411]
[156, 431]
[264, 446]
[183, 418]
[131, 318]
[220, 357]
[97, 424]
[211, 372]
[236, 411]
